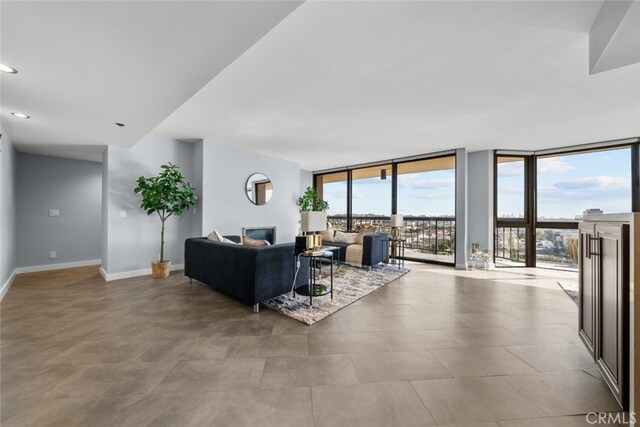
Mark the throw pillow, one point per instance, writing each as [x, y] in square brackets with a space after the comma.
[215, 236]
[362, 232]
[248, 241]
[327, 236]
[342, 237]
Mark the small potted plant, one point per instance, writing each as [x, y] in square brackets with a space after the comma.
[165, 194]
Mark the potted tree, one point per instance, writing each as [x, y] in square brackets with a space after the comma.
[313, 215]
[165, 194]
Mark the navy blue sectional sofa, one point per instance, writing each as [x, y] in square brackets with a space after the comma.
[250, 275]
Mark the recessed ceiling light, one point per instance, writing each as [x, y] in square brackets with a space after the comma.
[120, 125]
[7, 69]
[21, 115]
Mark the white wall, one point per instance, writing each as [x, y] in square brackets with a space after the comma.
[7, 212]
[306, 180]
[219, 173]
[226, 207]
[74, 188]
[462, 185]
[133, 242]
[480, 214]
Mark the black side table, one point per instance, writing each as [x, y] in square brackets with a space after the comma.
[388, 253]
[313, 288]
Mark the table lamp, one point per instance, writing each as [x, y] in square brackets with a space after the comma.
[312, 222]
[397, 221]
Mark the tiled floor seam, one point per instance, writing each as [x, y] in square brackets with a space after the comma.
[516, 356]
[422, 401]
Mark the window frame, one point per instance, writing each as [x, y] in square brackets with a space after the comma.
[530, 221]
[394, 188]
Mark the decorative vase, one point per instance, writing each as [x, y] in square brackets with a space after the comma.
[160, 270]
[486, 258]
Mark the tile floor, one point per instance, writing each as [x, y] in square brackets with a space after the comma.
[435, 347]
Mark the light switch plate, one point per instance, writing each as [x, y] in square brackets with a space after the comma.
[54, 212]
[52, 254]
[123, 213]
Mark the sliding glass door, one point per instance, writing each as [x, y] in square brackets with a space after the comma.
[426, 199]
[512, 221]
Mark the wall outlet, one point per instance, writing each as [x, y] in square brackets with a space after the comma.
[54, 212]
[123, 213]
[52, 255]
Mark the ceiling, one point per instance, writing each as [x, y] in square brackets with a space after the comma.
[83, 66]
[325, 85]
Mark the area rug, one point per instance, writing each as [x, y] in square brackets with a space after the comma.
[571, 289]
[349, 285]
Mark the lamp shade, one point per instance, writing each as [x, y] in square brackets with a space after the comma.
[313, 221]
[397, 220]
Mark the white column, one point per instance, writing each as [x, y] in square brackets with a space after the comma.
[461, 207]
[480, 198]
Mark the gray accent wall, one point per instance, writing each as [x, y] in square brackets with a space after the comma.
[73, 188]
[226, 207]
[133, 241]
[104, 208]
[197, 182]
[7, 210]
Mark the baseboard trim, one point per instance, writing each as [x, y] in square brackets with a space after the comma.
[62, 266]
[108, 277]
[6, 285]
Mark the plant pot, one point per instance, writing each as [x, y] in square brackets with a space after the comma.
[160, 270]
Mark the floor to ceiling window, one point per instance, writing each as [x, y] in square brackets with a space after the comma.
[426, 199]
[541, 198]
[422, 190]
[570, 185]
[511, 220]
[333, 188]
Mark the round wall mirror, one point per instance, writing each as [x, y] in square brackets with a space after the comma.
[259, 189]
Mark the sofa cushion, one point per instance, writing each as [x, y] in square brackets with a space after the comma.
[362, 232]
[343, 237]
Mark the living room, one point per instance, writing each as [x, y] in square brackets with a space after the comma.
[479, 132]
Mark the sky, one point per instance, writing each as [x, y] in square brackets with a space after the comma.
[426, 193]
[567, 185]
